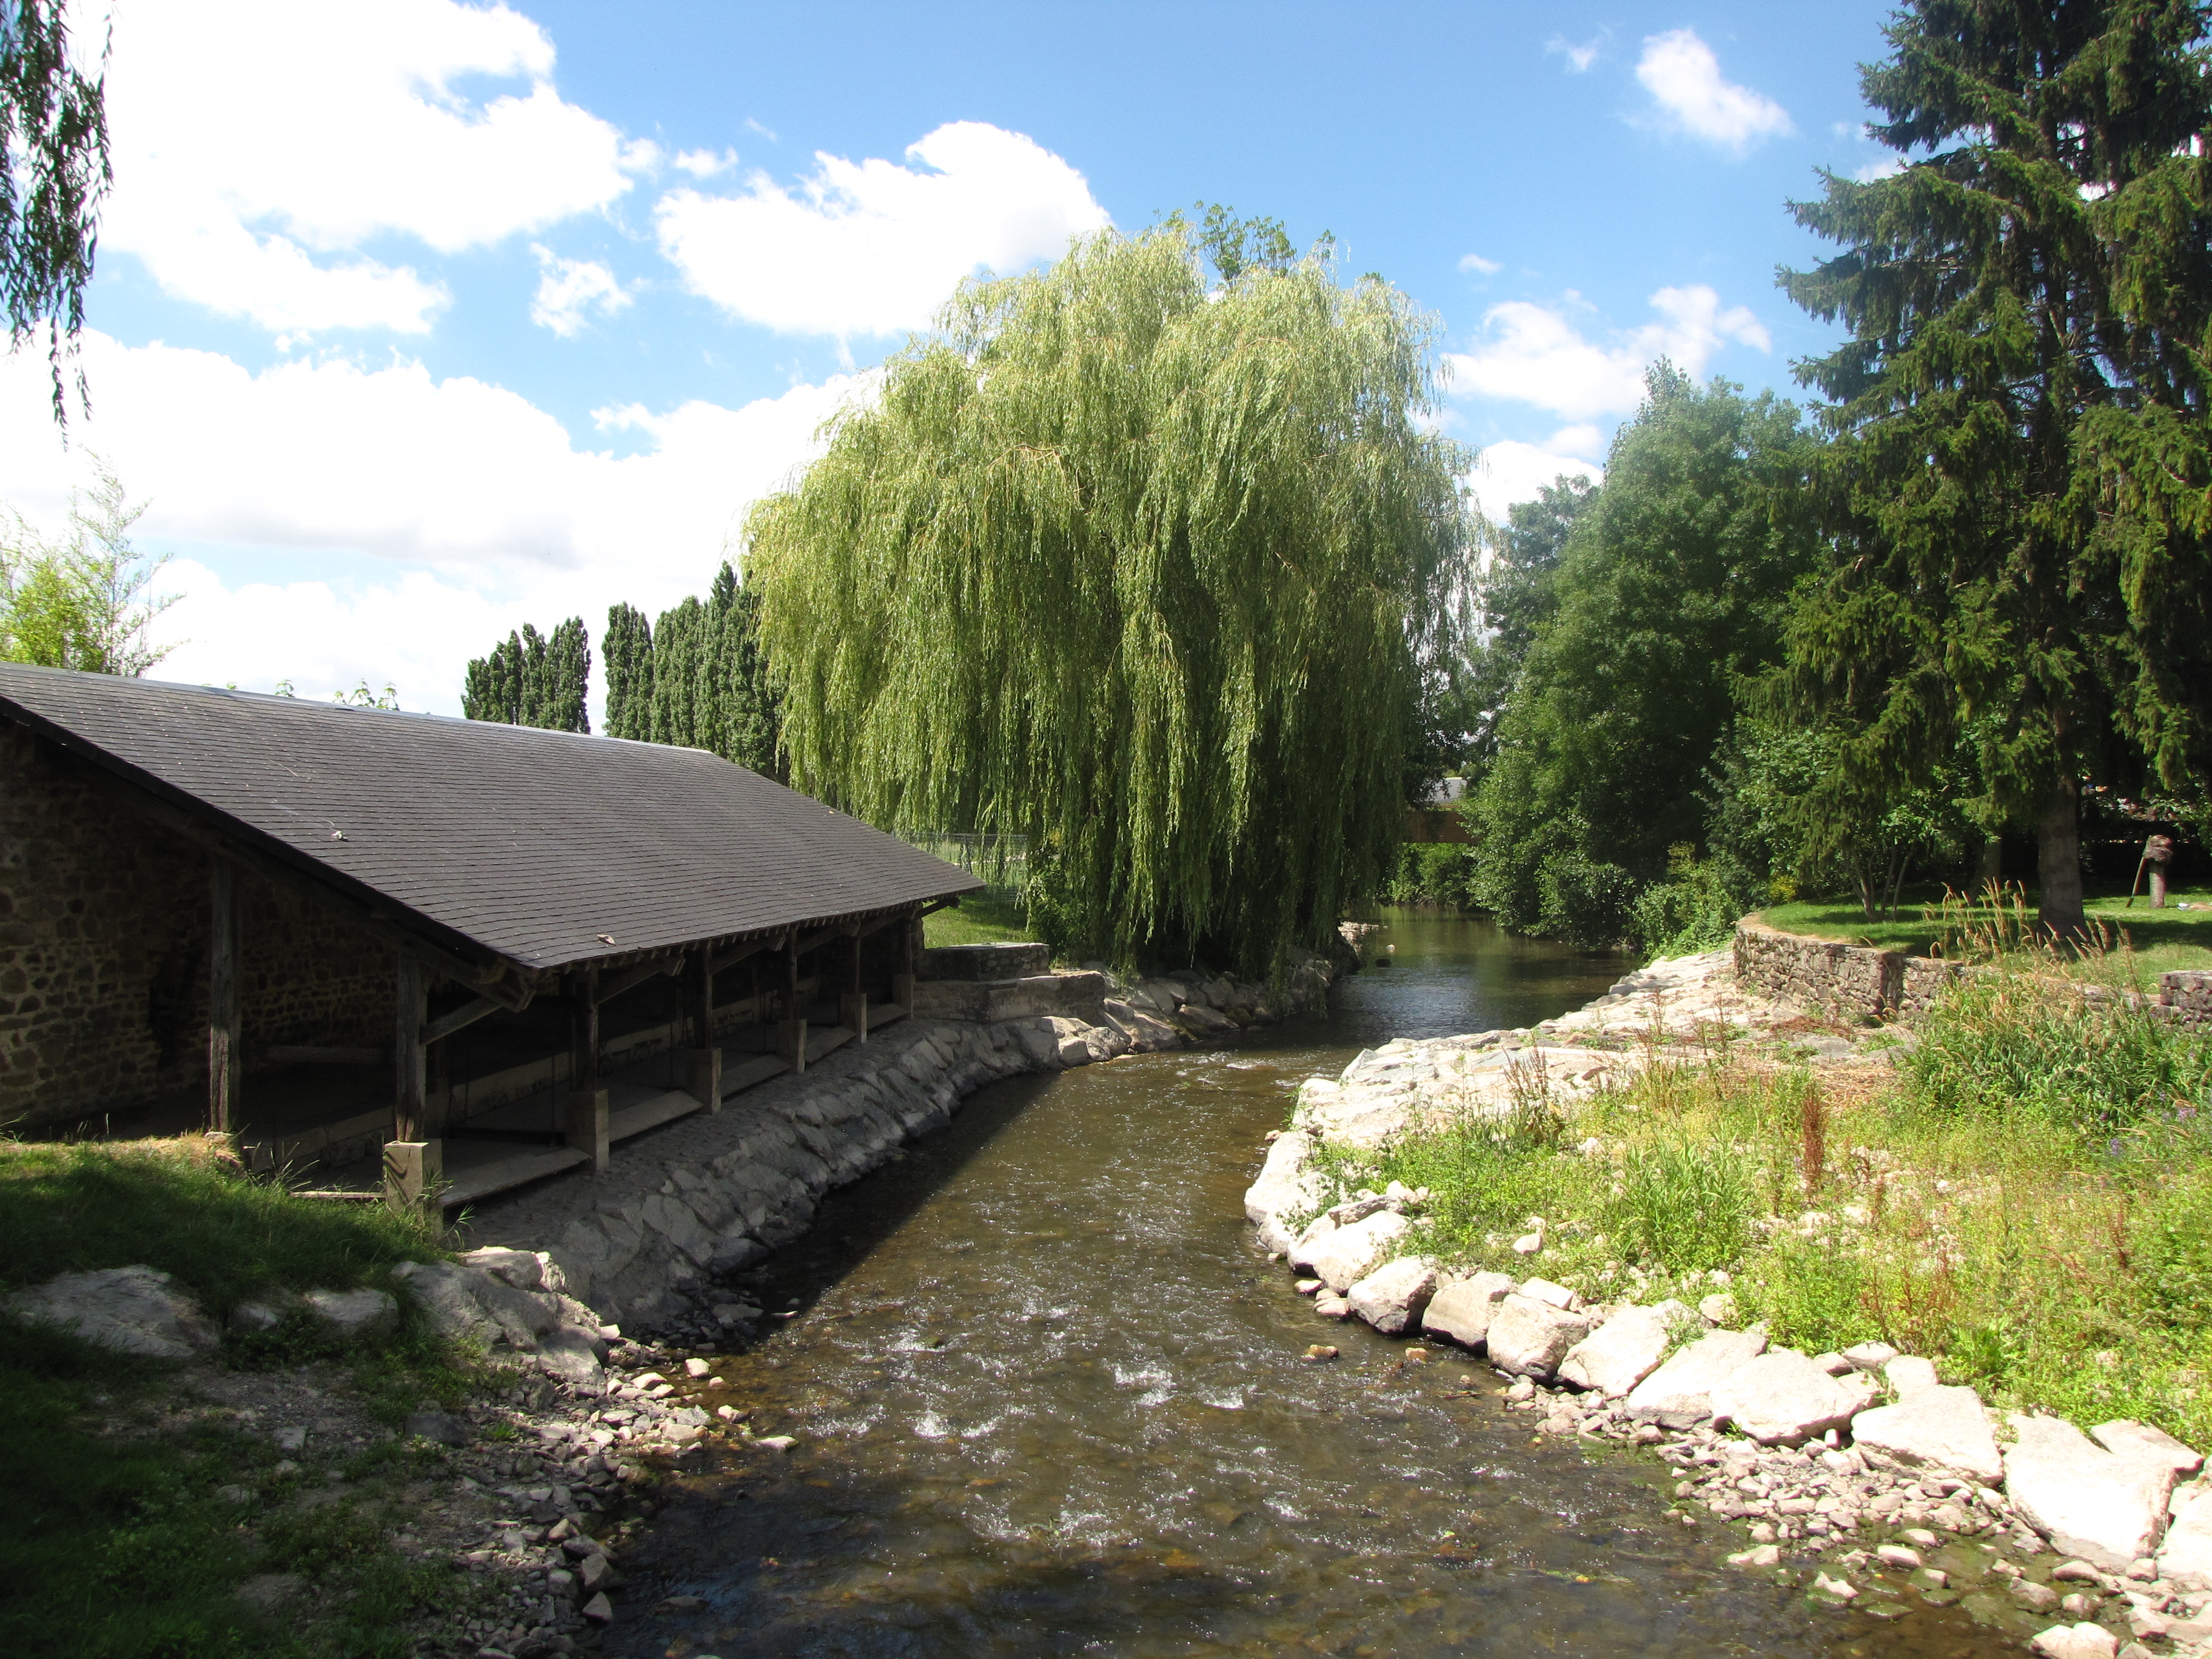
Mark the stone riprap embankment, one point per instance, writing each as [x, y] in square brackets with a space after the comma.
[1861, 1463]
[644, 1242]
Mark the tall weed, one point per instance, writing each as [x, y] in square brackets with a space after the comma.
[1682, 1206]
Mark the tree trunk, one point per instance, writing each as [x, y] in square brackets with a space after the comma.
[2059, 861]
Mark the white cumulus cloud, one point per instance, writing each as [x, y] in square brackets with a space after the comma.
[1513, 471]
[872, 247]
[567, 289]
[461, 485]
[260, 145]
[1475, 263]
[1580, 55]
[1684, 80]
[1532, 354]
[706, 163]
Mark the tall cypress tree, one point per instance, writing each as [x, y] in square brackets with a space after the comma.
[679, 642]
[628, 647]
[529, 680]
[2018, 486]
[746, 704]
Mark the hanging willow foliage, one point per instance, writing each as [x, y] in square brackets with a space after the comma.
[1149, 573]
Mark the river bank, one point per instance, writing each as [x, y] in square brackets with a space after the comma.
[456, 1446]
[1604, 1186]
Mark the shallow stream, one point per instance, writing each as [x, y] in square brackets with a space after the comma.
[1051, 1399]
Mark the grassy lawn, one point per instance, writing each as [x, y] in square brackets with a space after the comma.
[126, 1536]
[2158, 940]
[979, 919]
[2025, 1198]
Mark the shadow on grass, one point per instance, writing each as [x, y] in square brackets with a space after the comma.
[178, 1206]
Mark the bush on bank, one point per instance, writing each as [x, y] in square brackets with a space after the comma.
[2026, 1198]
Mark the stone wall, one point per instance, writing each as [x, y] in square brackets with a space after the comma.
[1858, 983]
[104, 952]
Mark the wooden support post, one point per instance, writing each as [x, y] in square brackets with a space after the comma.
[414, 1173]
[699, 998]
[791, 1029]
[852, 1006]
[584, 1124]
[903, 980]
[409, 1068]
[703, 1077]
[583, 1032]
[224, 1057]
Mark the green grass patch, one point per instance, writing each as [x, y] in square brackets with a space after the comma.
[2158, 941]
[181, 1206]
[2025, 1198]
[979, 919]
[122, 1540]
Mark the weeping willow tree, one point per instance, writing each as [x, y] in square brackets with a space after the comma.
[1151, 574]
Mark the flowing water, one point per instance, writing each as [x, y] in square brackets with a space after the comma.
[1050, 1399]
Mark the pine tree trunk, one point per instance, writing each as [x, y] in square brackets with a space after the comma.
[2059, 860]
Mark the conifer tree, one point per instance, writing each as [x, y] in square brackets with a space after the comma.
[679, 654]
[628, 647]
[2019, 489]
[746, 713]
[1147, 570]
[530, 680]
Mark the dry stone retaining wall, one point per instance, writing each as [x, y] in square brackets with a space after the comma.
[1859, 982]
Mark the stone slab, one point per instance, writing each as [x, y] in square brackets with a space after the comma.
[1529, 1337]
[1942, 1430]
[1680, 1393]
[1781, 1398]
[1624, 1351]
[2107, 1510]
[1350, 1254]
[1463, 1308]
[1393, 1296]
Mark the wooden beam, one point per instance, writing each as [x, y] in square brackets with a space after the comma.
[636, 977]
[304, 1053]
[738, 953]
[225, 1056]
[461, 1018]
[410, 1084]
[814, 941]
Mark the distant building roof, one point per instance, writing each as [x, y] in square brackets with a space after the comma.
[545, 848]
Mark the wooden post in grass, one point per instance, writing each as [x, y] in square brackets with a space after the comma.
[415, 1157]
[224, 1066]
[903, 980]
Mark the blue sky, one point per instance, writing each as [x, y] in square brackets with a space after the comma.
[414, 319]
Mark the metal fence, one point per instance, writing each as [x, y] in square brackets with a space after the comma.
[1001, 862]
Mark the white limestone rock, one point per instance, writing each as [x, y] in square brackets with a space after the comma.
[2185, 1556]
[1350, 1254]
[1624, 1351]
[1463, 1308]
[1310, 1238]
[2082, 1640]
[2107, 1510]
[2140, 1443]
[353, 1314]
[1680, 1393]
[1288, 1181]
[1529, 1337]
[1393, 1296]
[1909, 1373]
[1556, 1295]
[1781, 1398]
[135, 1310]
[1944, 1431]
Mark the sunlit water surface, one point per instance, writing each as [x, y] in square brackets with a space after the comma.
[1050, 1399]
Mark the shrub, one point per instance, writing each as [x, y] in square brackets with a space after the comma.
[1582, 900]
[1695, 908]
[1682, 1205]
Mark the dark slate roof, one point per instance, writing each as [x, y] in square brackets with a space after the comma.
[529, 844]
